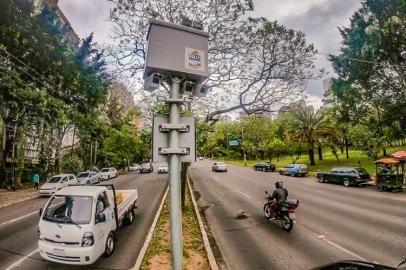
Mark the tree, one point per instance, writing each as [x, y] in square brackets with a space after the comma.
[371, 72]
[121, 147]
[261, 63]
[307, 126]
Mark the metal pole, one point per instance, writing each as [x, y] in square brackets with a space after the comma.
[174, 181]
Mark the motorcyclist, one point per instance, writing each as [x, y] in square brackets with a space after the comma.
[280, 194]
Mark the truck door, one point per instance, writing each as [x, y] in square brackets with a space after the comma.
[102, 227]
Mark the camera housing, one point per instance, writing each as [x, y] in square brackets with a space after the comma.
[152, 82]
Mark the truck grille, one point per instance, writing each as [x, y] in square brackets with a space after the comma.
[62, 243]
[64, 258]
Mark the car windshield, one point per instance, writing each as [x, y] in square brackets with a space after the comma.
[82, 175]
[55, 179]
[69, 209]
[361, 171]
[105, 170]
[221, 163]
[145, 165]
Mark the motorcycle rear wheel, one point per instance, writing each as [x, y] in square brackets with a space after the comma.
[286, 223]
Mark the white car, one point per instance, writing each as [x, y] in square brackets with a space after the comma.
[57, 182]
[79, 223]
[163, 167]
[219, 167]
[134, 167]
[108, 173]
[88, 178]
[200, 158]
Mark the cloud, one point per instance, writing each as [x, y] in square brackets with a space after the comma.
[87, 16]
[318, 19]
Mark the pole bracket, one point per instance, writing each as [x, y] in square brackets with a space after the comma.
[168, 151]
[169, 127]
[174, 100]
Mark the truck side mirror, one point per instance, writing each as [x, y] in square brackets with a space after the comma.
[40, 212]
[100, 218]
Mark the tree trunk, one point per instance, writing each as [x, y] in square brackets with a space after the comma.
[347, 156]
[3, 155]
[311, 155]
[320, 152]
[384, 152]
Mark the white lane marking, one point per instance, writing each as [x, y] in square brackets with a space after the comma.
[148, 239]
[242, 193]
[17, 263]
[345, 250]
[19, 218]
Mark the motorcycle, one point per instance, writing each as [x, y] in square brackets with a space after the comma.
[285, 213]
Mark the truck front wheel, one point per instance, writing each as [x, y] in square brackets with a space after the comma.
[110, 245]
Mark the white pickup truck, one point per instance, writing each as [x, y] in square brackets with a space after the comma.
[78, 223]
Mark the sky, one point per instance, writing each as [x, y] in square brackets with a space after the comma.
[318, 19]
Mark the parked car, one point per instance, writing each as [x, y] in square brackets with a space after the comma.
[219, 167]
[57, 182]
[88, 178]
[79, 224]
[134, 167]
[146, 168]
[347, 176]
[264, 166]
[200, 158]
[163, 167]
[294, 170]
[108, 173]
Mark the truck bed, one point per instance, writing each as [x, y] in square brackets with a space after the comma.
[130, 196]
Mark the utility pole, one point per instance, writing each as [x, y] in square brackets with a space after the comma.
[174, 179]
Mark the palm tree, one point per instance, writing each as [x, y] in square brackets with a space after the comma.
[308, 126]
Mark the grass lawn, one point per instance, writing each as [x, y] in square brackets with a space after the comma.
[328, 161]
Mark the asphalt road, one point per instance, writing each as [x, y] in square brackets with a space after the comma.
[333, 222]
[19, 224]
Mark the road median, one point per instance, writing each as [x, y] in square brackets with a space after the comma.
[158, 254]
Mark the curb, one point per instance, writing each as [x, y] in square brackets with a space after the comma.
[148, 239]
[207, 247]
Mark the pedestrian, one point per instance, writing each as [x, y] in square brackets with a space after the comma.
[36, 180]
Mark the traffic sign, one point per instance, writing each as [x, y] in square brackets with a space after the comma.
[233, 142]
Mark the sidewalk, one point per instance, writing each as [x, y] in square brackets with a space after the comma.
[10, 197]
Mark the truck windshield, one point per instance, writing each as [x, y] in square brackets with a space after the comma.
[69, 209]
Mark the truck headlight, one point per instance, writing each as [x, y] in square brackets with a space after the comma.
[88, 239]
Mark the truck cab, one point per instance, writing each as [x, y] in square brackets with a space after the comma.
[78, 223]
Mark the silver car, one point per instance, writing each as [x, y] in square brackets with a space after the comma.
[163, 167]
[57, 182]
[108, 173]
[88, 178]
[219, 167]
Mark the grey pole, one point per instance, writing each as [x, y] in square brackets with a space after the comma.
[174, 181]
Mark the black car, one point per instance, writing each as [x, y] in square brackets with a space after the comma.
[347, 176]
[265, 167]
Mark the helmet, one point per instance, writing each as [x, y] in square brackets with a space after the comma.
[278, 184]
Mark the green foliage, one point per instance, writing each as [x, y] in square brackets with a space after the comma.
[71, 164]
[369, 90]
[121, 147]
